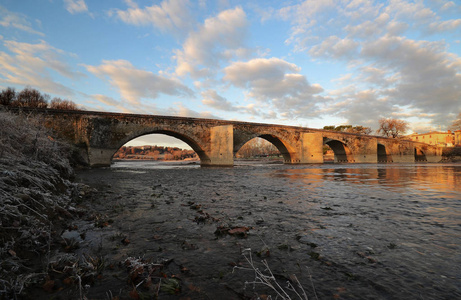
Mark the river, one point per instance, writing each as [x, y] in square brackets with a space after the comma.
[344, 231]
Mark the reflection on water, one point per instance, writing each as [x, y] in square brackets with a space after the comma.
[153, 164]
[441, 178]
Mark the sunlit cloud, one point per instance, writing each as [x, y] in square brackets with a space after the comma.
[106, 100]
[178, 109]
[219, 39]
[212, 99]
[390, 73]
[135, 84]
[32, 64]
[276, 82]
[168, 16]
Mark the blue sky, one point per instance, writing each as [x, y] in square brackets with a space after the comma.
[310, 63]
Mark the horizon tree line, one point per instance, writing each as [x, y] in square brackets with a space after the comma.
[33, 98]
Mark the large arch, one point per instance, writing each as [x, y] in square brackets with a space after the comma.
[173, 133]
[383, 154]
[341, 150]
[283, 147]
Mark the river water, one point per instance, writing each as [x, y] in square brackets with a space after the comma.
[346, 231]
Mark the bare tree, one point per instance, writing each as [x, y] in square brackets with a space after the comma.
[392, 127]
[58, 103]
[30, 97]
[7, 96]
[456, 125]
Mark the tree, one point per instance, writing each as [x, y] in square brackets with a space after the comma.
[58, 103]
[349, 128]
[7, 96]
[456, 125]
[30, 97]
[392, 127]
[360, 130]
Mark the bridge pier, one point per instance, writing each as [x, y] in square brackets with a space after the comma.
[221, 146]
[310, 149]
[400, 151]
[428, 154]
[367, 151]
[100, 157]
[435, 155]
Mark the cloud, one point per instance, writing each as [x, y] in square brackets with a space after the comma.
[217, 40]
[135, 84]
[301, 13]
[106, 100]
[17, 21]
[444, 26]
[402, 77]
[103, 102]
[32, 64]
[429, 76]
[168, 16]
[369, 28]
[359, 107]
[393, 74]
[336, 48]
[178, 109]
[212, 99]
[276, 82]
[411, 11]
[75, 6]
[448, 5]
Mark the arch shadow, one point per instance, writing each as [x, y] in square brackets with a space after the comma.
[383, 154]
[341, 151]
[420, 155]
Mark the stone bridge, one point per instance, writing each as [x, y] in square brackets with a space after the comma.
[99, 135]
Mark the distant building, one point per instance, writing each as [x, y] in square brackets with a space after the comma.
[438, 138]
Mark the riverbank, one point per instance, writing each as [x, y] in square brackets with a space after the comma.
[38, 200]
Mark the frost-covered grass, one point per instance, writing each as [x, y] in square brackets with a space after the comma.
[35, 196]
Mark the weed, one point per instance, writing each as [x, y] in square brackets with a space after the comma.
[266, 278]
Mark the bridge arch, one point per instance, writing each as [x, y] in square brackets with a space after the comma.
[183, 136]
[420, 155]
[284, 148]
[384, 154]
[342, 152]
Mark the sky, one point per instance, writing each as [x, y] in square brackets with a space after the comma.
[303, 63]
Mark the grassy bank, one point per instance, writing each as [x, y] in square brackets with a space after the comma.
[37, 198]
